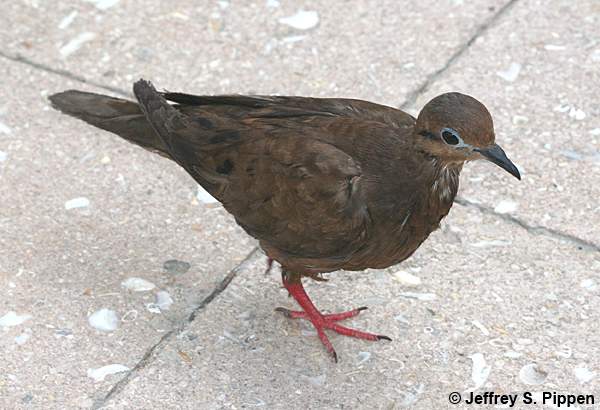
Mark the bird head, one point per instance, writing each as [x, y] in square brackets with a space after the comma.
[455, 128]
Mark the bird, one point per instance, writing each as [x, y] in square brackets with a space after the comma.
[323, 184]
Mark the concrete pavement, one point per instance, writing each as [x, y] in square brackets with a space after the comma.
[507, 295]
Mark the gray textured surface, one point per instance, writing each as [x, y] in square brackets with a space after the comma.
[519, 288]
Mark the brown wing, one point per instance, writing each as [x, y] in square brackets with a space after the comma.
[298, 195]
[241, 106]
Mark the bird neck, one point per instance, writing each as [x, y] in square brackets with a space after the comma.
[445, 179]
[444, 169]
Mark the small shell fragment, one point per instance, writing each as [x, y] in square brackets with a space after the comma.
[100, 373]
[511, 73]
[491, 244]
[418, 296]
[76, 43]
[153, 308]
[316, 381]
[22, 338]
[13, 319]
[163, 300]
[302, 20]
[67, 20]
[577, 114]
[363, 357]
[511, 354]
[532, 374]
[103, 4]
[4, 129]
[583, 374]
[104, 319]
[564, 351]
[175, 266]
[137, 284]
[130, 316]
[506, 207]
[481, 370]
[589, 284]
[411, 396]
[481, 327]
[184, 356]
[406, 278]
[80, 202]
[520, 119]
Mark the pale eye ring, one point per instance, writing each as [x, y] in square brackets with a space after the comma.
[451, 137]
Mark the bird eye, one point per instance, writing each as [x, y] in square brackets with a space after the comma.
[450, 136]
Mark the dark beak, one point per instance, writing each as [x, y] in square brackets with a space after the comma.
[495, 154]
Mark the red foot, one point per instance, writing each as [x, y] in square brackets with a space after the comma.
[321, 321]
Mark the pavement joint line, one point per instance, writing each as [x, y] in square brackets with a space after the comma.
[153, 351]
[533, 229]
[62, 73]
[485, 26]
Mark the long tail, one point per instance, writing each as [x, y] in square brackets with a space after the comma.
[121, 117]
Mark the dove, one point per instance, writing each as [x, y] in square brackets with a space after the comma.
[324, 184]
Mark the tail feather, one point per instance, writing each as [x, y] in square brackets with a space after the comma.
[121, 117]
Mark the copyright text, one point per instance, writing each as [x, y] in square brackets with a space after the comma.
[559, 400]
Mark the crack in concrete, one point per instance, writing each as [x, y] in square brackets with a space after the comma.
[413, 95]
[62, 73]
[158, 347]
[581, 244]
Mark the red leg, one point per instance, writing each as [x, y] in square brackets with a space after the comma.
[269, 265]
[321, 322]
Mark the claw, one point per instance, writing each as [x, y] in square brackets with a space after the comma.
[286, 312]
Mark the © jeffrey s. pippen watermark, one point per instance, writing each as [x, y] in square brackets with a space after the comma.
[558, 400]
